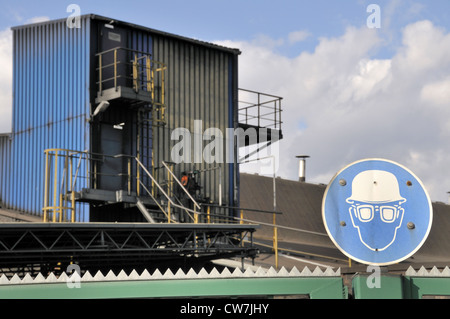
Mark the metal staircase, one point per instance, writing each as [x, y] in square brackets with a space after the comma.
[168, 201]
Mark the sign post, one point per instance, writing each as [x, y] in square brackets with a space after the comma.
[377, 212]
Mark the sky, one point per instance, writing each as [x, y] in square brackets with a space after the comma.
[350, 90]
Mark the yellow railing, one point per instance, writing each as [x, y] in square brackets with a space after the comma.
[67, 172]
[62, 169]
[275, 248]
[135, 69]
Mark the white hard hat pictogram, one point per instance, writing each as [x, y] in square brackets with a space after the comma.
[375, 186]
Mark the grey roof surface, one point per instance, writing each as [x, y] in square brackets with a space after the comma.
[299, 203]
[8, 215]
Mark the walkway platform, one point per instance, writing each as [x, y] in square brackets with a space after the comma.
[41, 247]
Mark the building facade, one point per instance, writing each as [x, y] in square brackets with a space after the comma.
[95, 108]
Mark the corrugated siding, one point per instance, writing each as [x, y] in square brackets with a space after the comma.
[198, 86]
[50, 104]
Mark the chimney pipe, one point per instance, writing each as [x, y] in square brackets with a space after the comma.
[302, 167]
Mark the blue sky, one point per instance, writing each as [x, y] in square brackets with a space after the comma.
[349, 92]
[241, 19]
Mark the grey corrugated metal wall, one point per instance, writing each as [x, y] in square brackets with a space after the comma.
[50, 105]
[199, 87]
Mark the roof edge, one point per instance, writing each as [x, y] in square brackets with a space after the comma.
[136, 26]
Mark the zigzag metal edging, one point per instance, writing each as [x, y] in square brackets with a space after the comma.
[423, 272]
[169, 275]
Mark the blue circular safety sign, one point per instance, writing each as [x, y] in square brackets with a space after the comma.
[377, 212]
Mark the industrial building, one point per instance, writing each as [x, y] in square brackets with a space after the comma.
[149, 82]
[118, 123]
[124, 160]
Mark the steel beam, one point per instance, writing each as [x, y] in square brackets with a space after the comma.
[46, 244]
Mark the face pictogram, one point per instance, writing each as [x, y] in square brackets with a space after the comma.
[375, 208]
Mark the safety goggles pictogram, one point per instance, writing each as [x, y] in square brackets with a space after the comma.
[365, 213]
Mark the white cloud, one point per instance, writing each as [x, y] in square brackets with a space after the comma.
[6, 75]
[425, 49]
[437, 94]
[5, 80]
[341, 104]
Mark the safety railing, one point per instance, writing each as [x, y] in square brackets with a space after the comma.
[62, 170]
[171, 202]
[134, 69]
[241, 218]
[259, 109]
[68, 172]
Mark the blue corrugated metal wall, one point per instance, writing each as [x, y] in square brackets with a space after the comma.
[50, 105]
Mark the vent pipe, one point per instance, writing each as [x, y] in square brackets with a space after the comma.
[302, 167]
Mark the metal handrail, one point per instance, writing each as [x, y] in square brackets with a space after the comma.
[122, 48]
[69, 171]
[141, 64]
[274, 104]
[62, 176]
[163, 192]
[154, 199]
[55, 202]
[182, 187]
[62, 180]
[77, 170]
